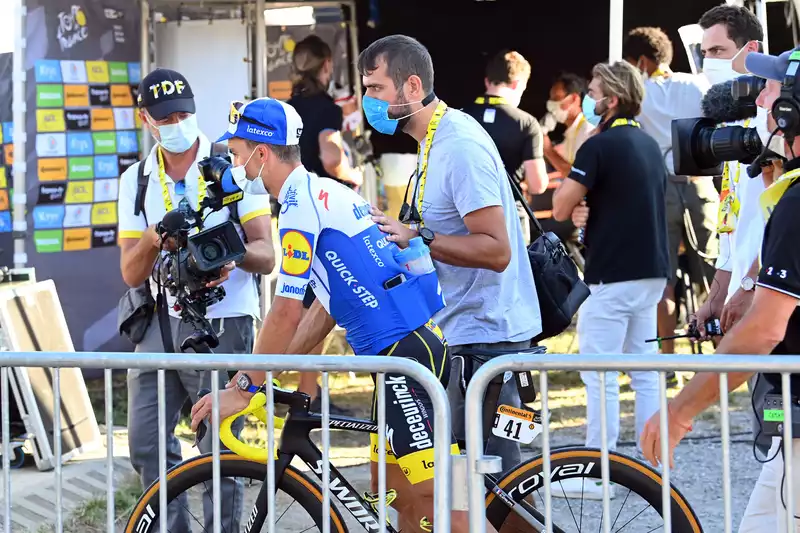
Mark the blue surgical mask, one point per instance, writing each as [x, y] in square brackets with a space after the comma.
[377, 113]
[177, 138]
[588, 107]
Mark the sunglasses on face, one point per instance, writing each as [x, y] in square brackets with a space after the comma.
[236, 115]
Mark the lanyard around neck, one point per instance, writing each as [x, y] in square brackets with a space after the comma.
[162, 176]
[728, 198]
[571, 142]
[433, 125]
[492, 100]
[624, 122]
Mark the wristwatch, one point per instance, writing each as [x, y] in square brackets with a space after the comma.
[246, 384]
[748, 284]
[427, 236]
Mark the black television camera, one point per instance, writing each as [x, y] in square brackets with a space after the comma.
[700, 146]
[198, 259]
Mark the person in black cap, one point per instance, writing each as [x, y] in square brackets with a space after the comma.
[166, 178]
[771, 325]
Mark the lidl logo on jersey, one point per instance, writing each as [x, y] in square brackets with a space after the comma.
[72, 27]
[297, 253]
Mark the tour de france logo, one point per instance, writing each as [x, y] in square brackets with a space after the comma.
[297, 253]
[72, 27]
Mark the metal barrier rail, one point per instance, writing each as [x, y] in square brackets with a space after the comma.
[214, 363]
[480, 464]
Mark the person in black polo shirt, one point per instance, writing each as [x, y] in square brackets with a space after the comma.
[616, 190]
[771, 325]
[321, 148]
[516, 133]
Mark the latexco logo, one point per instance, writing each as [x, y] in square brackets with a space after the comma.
[259, 131]
[72, 28]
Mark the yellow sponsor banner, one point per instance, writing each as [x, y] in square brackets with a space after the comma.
[104, 214]
[97, 71]
[77, 239]
[3, 178]
[79, 192]
[50, 120]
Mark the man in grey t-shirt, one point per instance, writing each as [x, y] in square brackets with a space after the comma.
[466, 215]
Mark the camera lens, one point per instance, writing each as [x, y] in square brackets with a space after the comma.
[212, 250]
[731, 143]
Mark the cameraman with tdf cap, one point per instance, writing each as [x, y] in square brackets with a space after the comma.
[147, 192]
[771, 325]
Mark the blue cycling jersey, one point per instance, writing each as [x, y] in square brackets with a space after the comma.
[330, 243]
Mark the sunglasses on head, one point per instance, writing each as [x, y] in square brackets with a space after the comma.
[409, 214]
[236, 115]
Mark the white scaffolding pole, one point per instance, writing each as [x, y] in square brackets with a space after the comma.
[145, 35]
[20, 198]
[615, 29]
[260, 52]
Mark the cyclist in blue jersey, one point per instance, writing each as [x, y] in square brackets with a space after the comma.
[331, 244]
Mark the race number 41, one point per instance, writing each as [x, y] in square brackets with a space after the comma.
[516, 424]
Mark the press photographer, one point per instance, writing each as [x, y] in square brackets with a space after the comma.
[163, 192]
[771, 325]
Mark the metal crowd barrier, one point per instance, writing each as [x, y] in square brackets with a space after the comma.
[215, 363]
[479, 464]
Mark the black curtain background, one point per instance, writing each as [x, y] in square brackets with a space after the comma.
[566, 35]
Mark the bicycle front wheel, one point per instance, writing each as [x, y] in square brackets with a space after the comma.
[298, 502]
[636, 505]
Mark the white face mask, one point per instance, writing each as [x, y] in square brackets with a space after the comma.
[254, 186]
[556, 110]
[719, 70]
[177, 138]
[776, 144]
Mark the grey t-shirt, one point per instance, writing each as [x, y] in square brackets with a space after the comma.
[465, 173]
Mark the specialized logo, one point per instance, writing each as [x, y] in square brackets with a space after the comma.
[343, 493]
[360, 291]
[290, 200]
[421, 439]
[259, 131]
[72, 28]
[166, 88]
[361, 211]
[297, 253]
[323, 197]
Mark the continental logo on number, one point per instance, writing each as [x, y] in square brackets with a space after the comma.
[50, 120]
[516, 413]
[297, 253]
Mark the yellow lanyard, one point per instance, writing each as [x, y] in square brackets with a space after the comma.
[773, 194]
[162, 176]
[570, 144]
[624, 122]
[423, 174]
[493, 100]
[728, 199]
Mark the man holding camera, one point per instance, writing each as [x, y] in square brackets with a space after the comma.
[771, 324]
[166, 179]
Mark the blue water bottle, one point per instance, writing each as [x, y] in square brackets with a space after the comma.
[416, 259]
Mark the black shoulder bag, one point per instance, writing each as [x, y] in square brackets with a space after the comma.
[560, 288]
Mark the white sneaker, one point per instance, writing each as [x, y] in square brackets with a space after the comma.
[579, 487]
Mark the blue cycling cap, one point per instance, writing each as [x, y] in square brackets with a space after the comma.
[264, 120]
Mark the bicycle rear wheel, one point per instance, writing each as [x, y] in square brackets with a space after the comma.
[525, 482]
[192, 479]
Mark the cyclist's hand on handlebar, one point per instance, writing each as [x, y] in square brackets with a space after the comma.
[580, 215]
[231, 401]
[651, 437]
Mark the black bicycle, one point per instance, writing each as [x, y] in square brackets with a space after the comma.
[513, 498]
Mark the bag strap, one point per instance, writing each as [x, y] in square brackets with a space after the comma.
[141, 191]
[515, 188]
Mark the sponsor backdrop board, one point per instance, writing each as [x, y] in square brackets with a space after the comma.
[83, 73]
[6, 160]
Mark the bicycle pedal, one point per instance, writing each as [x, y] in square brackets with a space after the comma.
[373, 499]
[425, 524]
